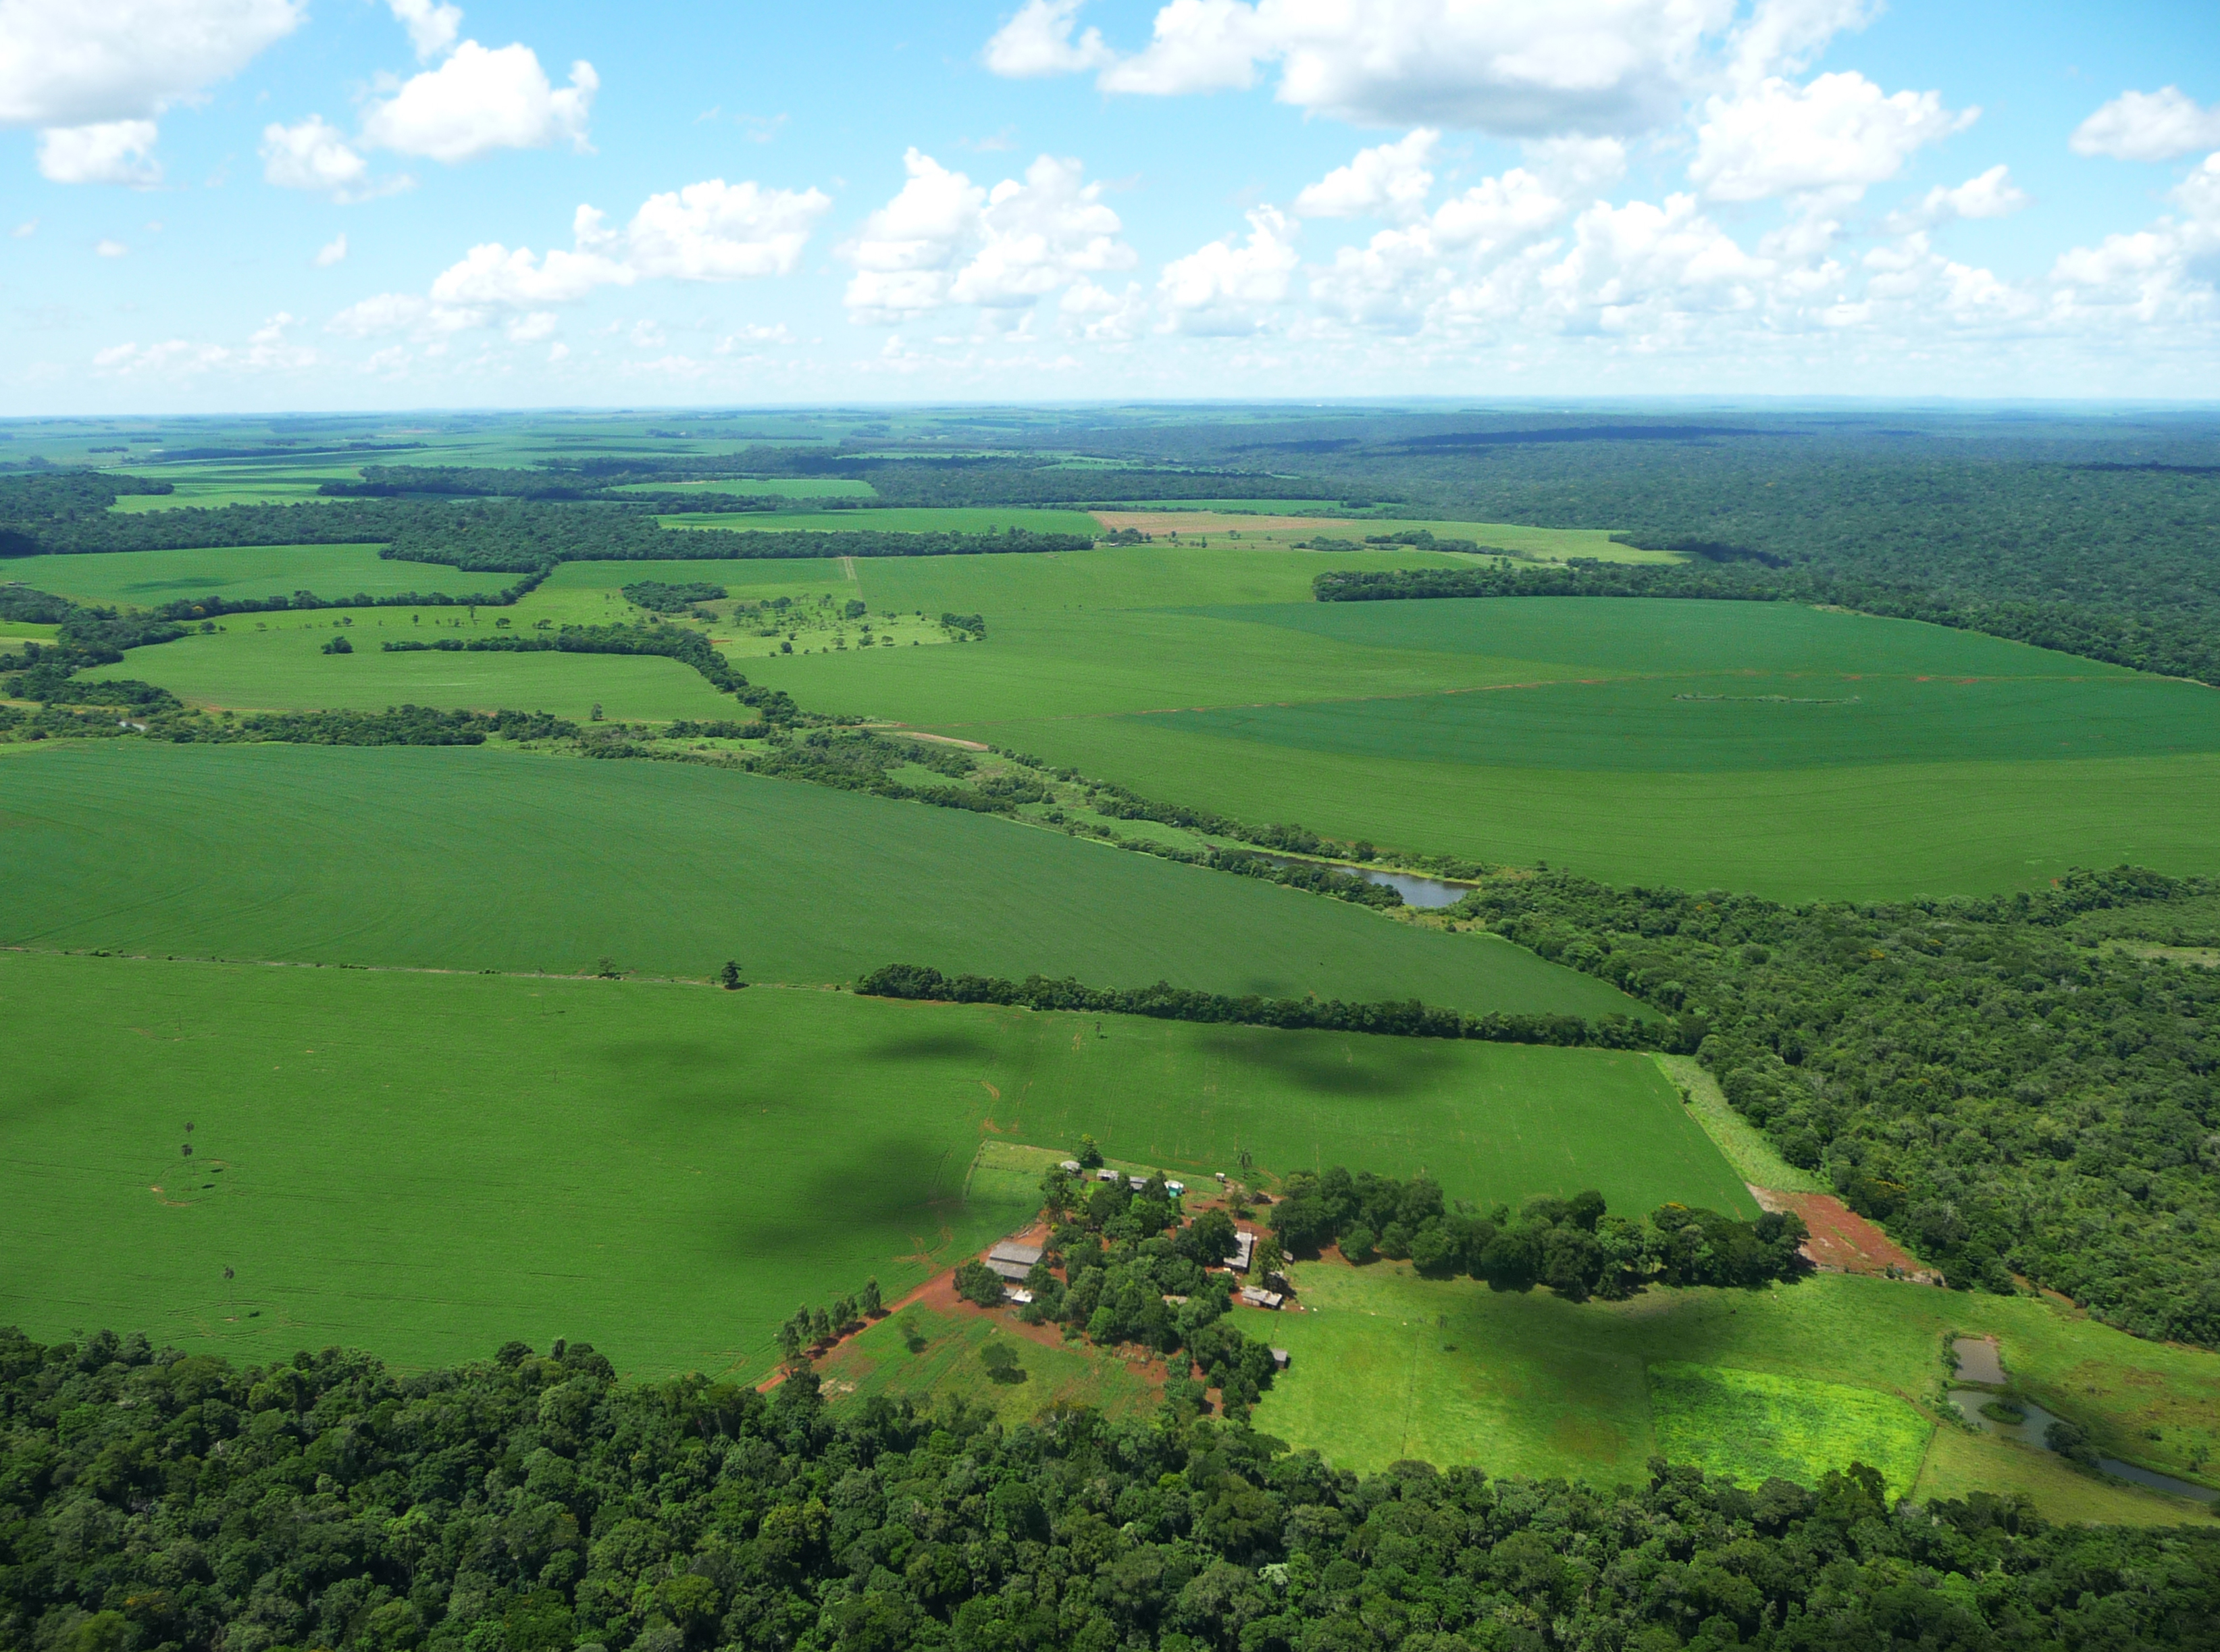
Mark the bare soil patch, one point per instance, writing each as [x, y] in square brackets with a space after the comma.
[1843, 1242]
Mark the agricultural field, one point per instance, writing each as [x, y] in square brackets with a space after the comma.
[420, 1162]
[1279, 527]
[1389, 1366]
[784, 487]
[240, 573]
[466, 858]
[986, 518]
[1782, 749]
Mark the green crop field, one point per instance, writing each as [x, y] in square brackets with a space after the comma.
[425, 1162]
[149, 578]
[1753, 1426]
[275, 663]
[1389, 1366]
[464, 858]
[1772, 748]
[785, 487]
[919, 519]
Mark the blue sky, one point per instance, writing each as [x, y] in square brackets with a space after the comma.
[225, 204]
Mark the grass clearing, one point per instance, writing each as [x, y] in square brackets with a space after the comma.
[472, 858]
[150, 578]
[428, 1163]
[1742, 1144]
[1287, 527]
[907, 519]
[1753, 1426]
[1831, 754]
[783, 487]
[928, 1356]
[1388, 1365]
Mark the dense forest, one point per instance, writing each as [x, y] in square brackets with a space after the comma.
[153, 1500]
[1993, 1080]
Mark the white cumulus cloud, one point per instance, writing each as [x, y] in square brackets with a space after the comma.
[432, 25]
[2162, 125]
[1228, 287]
[1390, 180]
[311, 156]
[74, 63]
[108, 152]
[1989, 195]
[1841, 132]
[109, 249]
[481, 100]
[1039, 40]
[1517, 68]
[715, 231]
[944, 239]
[331, 252]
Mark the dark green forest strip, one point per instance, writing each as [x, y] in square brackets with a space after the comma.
[1408, 1018]
[534, 1503]
[1985, 1077]
[2171, 645]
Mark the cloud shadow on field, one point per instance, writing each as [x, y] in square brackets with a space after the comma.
[1341, 1065]
[896, 1186]
[674, 1056]
[945, 1044]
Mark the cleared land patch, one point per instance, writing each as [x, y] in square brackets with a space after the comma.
[467, 859]
[1538, 544]
[419, 1164]
[152, 578]
[899, 519]
[1752, 1426]
[1389, 1366]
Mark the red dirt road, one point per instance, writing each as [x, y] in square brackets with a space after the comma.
[1843, 1242]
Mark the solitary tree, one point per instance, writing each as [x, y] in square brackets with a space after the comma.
[1001, 1362]
[729, 977]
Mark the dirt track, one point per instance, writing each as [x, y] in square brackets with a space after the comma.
[1843, 1242]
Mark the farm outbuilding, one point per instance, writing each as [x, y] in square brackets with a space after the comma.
[1012, 1260]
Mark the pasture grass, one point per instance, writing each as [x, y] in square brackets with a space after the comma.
[1388, 1365]
[784, 487]
[901, 519]
[1834, 755]
[1960, 1461]
[426, 1163]
[1753, 1426]
[1286, 527]
[945, 1363]
[275, 663]
[472, 858]
[150, 578]
[1742, 1144]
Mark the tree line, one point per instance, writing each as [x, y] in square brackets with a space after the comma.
[1990, 1079]
[1407, 1019]
[1572, 1245]
[532, 1503]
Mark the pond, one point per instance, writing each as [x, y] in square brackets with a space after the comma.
[1425, 892]
[2029, 1432]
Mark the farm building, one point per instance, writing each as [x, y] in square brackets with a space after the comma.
[1257, 1298]
[1244, 1251]
[1279, 1359]
[1012, 1261]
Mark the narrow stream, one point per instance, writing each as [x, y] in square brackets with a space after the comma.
[1425, 892]
[1969, 1402]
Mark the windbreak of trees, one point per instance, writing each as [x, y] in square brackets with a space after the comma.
[1409, 1019]
[1990, 1079]
[1572, 1245]
[690, 648]
[662, 597]
[153, 1499]
[164, 720]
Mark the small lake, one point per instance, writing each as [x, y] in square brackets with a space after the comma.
[1969, 1402]
[1426, 893]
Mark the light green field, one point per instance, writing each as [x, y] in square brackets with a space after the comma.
[236, 482]
[1753, 1426]
[1287, 527]
[462, 858]
[1742, 1144]
[150, 578]
[421, 1163]
[1388, 1366]
[920, 519]
[785, 487]
[1834, 755]
[880, 1361]
[275, 662]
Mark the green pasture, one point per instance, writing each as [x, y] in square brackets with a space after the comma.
[208, 483]
[466, 858]
[784, 487]
[945, 1362]
[917, 519]
[1766, 747]
[1753, 1426]
[1389, 1366]
[1286, 527]
[150, 578]
[275, 663]
[424, 1162]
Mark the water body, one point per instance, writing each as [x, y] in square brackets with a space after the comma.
[1969, 1402]
[1428, 893]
